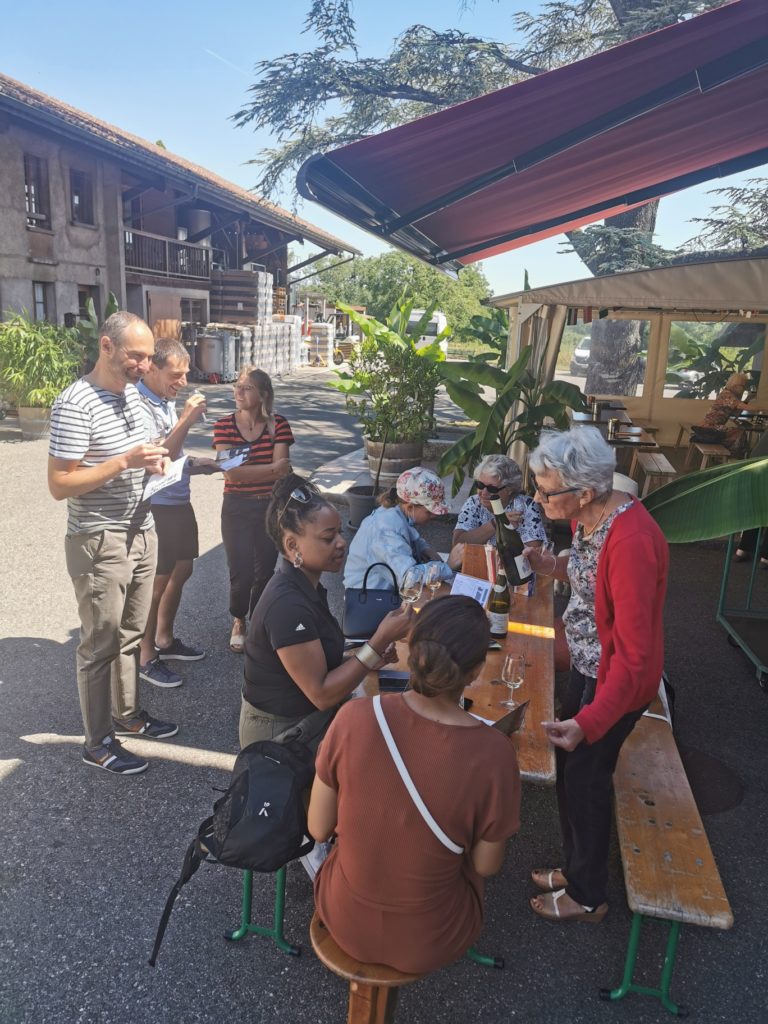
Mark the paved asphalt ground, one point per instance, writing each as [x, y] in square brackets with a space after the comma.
[87, 860]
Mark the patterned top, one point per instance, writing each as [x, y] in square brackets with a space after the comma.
[579, 616]
[226, 432]
[90, 425]
[473, 514]
[724, 406]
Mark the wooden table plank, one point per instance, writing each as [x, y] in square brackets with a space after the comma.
[532, 635]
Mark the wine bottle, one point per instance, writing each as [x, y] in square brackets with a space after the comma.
[498, 607]
[510, 547]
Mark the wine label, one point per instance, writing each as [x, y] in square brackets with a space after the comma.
[499, 623]
[523, 566]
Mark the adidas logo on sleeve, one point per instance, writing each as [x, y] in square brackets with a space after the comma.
[300, 627]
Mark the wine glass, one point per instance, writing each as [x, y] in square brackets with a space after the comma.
[513, 674]
[432, 578]
[413, 581]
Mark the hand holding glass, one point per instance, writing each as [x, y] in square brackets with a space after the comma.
[432, 578]
[513, 674]
[410, 588]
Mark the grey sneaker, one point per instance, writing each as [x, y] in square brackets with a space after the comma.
[158, 674]
[113, 758]
[143, 725]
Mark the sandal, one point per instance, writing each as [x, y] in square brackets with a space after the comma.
[237, 636]
[741, 556]
[550, 909]
[544, 879]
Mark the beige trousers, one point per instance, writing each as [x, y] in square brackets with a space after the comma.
[260, 725]
[112, 573]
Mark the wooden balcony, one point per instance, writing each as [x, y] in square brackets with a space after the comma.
[165, 257]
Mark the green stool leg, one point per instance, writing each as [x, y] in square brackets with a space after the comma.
[627, 985]
[276, 931]
[486, 961]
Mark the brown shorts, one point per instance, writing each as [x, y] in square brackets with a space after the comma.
[176, 536]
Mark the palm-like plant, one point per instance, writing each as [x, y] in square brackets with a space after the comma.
[521, 405]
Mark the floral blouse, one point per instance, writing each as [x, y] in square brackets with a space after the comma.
[531, 528]
[579, 616]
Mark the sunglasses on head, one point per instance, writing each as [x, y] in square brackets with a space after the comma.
[297, 494]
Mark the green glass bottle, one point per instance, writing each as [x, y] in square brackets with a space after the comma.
[498, 607]
[510, 547]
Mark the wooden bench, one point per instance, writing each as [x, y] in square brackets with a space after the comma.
[685, 428]
[707, 452]
[669, 870]
[656, 467]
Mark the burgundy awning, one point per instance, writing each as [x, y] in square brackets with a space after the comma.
[660, 113]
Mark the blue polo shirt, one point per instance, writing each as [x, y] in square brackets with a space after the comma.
[160, 416]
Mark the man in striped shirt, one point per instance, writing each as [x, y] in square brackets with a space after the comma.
[99, 454]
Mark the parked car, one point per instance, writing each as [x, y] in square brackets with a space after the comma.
[580, 357]
[436, 326]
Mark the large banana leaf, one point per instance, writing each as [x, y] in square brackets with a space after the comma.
[714, 502]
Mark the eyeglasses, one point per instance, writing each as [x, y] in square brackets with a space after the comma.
[490, 488]
[122, 406]
[243, 387]
[297, 494]
[546, 495]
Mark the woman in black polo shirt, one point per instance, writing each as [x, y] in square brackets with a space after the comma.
[294, 651]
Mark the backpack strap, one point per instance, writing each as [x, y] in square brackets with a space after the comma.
[193, 858]
[408, 781]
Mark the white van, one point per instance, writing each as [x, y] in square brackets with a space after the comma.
[437, 323]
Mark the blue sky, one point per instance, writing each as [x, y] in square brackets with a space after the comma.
[176, 71]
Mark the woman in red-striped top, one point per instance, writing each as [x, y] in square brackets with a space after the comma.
[251, 555]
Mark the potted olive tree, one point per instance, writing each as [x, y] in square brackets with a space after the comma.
[37, 361]
[390, 387]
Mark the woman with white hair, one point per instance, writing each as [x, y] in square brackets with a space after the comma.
[617, 568]
[498, 476]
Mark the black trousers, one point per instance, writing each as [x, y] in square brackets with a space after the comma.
[584, 783]
[748, 542]
[251, 555]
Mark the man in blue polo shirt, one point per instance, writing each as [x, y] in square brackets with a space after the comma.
[175, 521]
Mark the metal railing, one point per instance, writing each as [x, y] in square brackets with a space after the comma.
[165, 257]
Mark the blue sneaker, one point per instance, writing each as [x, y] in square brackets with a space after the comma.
[143, 725]
[113, 758]
[179, 651]
[155, 672]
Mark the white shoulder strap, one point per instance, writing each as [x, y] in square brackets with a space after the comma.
[400, 765]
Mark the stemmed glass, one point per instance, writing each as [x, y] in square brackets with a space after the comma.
[513, 674]
[410, 588]
[432, 578]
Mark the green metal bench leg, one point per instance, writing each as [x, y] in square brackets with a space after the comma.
[276, 931]
[486, 961]
[627, 985]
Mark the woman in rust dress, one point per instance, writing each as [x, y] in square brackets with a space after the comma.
[390, 892]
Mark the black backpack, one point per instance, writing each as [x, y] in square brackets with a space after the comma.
[260, 823]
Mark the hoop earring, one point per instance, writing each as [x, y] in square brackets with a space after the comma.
[298, 561]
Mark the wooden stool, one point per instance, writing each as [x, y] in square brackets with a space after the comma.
[372, 987]
[707, 451]
[685, 428]
[657, 469]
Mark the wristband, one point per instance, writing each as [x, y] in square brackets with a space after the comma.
[367, 656]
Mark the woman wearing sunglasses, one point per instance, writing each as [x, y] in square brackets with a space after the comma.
[498, 476]
[391, 891]
[294, 650]
[251, 554]
[617, 568]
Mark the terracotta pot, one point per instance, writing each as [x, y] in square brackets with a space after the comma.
[35, 423]
[397, 458]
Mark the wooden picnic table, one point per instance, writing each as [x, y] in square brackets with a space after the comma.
[531, 633]
[605, 414]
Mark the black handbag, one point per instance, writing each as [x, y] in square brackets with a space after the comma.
[364, 608]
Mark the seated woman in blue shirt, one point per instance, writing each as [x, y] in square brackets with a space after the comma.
[389, 534]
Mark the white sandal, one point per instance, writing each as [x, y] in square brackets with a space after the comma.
[237, 637]
[549, 884]
[594, 915]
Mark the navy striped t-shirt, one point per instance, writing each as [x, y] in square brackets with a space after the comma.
[91, 424]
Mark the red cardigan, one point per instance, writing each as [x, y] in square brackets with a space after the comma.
[629, 604]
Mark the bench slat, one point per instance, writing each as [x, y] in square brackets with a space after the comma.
[656, 465]
[669, 869]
